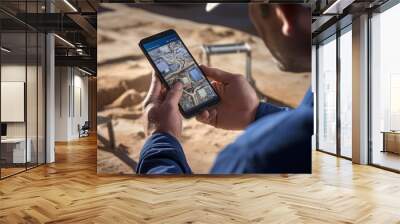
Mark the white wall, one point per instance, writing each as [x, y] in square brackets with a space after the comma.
[62, 81]
[33, 126]
[70, 84]
[81, 94]
[12, 73]
[13, 100]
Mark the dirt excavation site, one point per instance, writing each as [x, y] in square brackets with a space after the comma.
[124, 76]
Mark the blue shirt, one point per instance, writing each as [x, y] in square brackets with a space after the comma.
[278, 141]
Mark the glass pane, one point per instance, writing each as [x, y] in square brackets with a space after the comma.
[346, 94]
[13, 85]
[31, 87]
[41, 98]
[385, 84]
[327, 96]
[31, 98]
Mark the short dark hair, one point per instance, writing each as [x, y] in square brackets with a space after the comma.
[291, 7]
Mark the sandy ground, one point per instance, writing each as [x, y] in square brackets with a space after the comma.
[124, 75]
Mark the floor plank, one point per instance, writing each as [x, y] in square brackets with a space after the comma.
[70, 191]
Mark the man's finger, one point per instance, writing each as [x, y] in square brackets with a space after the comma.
[217, 75]
[218, 87]
[203, 117]
[174, 94]
[155, 87]
[154, 93]
[212, 119]
[215, 84]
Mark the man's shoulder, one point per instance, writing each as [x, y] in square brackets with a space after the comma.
[269, 140]
[302, 114]
[276, 126]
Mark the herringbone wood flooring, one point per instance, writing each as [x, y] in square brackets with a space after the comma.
[70, 191]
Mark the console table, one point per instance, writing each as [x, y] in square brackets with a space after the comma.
[391, 141]
[13, 150]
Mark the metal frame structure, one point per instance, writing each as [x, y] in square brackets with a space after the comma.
[30, 28]
[339, 31]
[77, 27]
[336, 28]
[218, 49]
[387, 5]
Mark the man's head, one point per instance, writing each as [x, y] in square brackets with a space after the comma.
[286, 30]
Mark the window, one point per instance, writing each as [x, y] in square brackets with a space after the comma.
[327, 95]
[22, 77]
[385, 89]
[346, 92]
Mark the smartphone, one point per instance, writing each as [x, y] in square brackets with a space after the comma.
[173, 63]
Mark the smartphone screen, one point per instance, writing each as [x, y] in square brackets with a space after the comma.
[173, 62]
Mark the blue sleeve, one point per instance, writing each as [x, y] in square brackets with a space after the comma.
[267, 108]
[162, 154]
[278, 143]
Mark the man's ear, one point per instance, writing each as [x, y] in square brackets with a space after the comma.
[284, 17]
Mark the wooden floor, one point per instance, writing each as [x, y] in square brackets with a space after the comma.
[5, 172]
[387, 159]
[69, 191]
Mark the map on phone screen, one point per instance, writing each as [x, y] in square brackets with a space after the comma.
[176, 64]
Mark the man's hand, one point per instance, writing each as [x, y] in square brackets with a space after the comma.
[238, 104]
[162, 110]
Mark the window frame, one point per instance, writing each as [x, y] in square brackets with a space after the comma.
[333, 37]
[27, 29]
[378, 10]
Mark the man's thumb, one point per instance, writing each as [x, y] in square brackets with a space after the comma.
[216, 74]
[174, 94]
